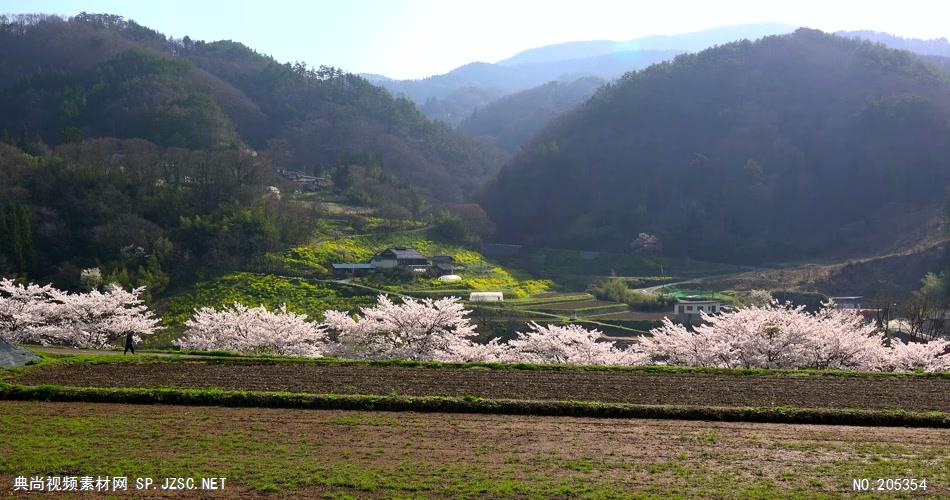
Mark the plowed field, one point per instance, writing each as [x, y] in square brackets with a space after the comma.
[908, 393]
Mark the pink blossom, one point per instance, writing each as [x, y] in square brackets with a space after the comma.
[256, 330]
[569, 344]
[424, 329]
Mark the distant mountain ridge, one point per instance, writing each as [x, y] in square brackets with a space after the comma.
[685, 42]
[562, 62]
[932, 47]
[512, 120]
[747, 152]
[494, 81]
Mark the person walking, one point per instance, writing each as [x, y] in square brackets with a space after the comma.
[129, 346]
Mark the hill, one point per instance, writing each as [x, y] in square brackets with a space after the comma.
[457, 105]
[513, 120]
[102, 76]
[793, 147]
[153, 162]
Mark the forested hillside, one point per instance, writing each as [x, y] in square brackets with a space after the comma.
[138, 212]
[799, 146]
[513, 120]
[149, 161]
[101, 76]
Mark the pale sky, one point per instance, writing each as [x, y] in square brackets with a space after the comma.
[418, 38]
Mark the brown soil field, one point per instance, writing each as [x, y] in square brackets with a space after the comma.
[279, 453]
[908, 393]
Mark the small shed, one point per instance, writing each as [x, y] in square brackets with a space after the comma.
[442, 269]
[486, 297]
[344, 270]
[450, 277]
[852, 302]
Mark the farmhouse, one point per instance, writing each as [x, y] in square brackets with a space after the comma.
[689, 312]
[400, 257]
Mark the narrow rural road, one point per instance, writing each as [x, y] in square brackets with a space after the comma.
[655, 288]
[96, 352]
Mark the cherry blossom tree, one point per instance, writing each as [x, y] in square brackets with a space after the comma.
[844, 340]
[782, 336]
[424, 329]
[254, 330]
[675, 344]
[646, 244]
[96, 319]
[928, 356]
[23, 308]
[571, 344]
[465, 351]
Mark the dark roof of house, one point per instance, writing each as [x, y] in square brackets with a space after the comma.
[353, 266]
[404, 253]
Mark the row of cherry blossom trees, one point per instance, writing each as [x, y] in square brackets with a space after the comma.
[421, 330]
[44, 315]
[782, 336]
[763, 336]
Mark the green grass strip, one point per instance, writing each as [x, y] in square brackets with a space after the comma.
[468, 404]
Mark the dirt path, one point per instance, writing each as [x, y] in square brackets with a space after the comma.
[306, 453]
[908, 393]
[96, 352]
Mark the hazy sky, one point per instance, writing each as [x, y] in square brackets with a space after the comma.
[417, 38]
